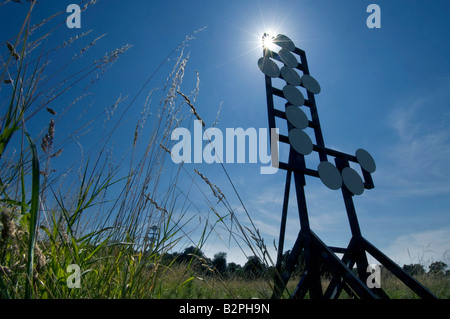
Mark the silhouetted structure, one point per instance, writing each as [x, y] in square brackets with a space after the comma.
[335, 176]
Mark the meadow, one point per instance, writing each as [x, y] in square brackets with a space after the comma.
[238, 288]
[99, 213]
[102, 219]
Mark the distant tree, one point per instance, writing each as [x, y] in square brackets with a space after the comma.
[437, 268]
[299, 264]
[168, 258]
[284, 258]
[254, 268]
[220, 262]
[414, 269]
[233, 269]
[197, 261]
[190, 252]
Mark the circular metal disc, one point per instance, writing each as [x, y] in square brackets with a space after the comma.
[352, 181]
[296, 117]
[310, 84]
[288, 58]
[365, 160]
[284, 42]
[268, 67]
[290, 76]
[329, 175]
[300, 141]
[293, 95]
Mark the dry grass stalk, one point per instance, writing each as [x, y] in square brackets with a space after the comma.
[194, 111]
[216, 191]
[111, 109]
[46, 20]
[112, 56]
[9, 227]
[156, 204]
[51, 111]
[5, 270]
[11, 237]
[165, 148]
[197, 87]
[47, 140]
[72, 40]
[57, 153]
[90, 3]
[12, 51]
[90, 45]
[217, 116]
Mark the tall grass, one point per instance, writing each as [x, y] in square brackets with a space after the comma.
[115, 221]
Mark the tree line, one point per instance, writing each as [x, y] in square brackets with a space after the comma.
[437, 268]
[197, 260]
[255, 268]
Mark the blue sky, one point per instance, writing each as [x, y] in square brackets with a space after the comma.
[385, 90]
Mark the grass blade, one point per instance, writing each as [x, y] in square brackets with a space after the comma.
[33, 214]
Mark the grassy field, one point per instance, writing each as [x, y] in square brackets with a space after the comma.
[89, 222]
[214, 287]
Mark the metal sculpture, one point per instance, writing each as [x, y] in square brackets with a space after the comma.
[335, 176]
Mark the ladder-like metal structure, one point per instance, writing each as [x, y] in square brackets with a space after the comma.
[336, 176]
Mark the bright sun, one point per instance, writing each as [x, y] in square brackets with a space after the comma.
[268, 41]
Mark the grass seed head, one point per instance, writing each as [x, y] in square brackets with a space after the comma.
[51, 111]
[12, 51]
[56, 154]
[9, 227]
[47, 140]
[5, 270]
[216, 190]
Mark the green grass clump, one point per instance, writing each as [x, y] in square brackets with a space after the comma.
[97, 228]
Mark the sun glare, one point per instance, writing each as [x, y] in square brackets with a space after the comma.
[268, 41]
